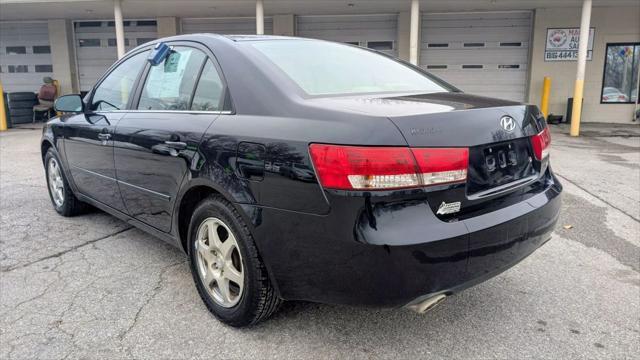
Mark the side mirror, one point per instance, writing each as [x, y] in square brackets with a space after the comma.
[69, 104]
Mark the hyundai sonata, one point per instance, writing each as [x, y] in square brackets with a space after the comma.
[298, 169]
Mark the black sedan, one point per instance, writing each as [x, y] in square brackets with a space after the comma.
[298, 169]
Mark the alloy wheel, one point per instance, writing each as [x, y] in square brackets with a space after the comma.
[56, 184]
[219, 262]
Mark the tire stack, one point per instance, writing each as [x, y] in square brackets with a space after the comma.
[20, 106]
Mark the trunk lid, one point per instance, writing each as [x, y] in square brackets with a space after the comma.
[498, 135]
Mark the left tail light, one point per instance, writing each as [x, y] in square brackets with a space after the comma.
[541, 143]
[384, 168]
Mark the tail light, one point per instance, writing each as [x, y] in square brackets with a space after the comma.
[541, 143]
[383, 168]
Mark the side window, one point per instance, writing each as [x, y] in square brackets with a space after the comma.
[170, 84]
[208, 95]
[113, 93]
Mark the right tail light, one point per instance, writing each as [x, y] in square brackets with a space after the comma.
[541, 143]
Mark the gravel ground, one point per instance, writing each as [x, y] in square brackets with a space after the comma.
[93, 287]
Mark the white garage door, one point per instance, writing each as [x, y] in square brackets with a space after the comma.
[481, 53]
[96, 45]
[226, 26]
[374, 31]
[25, 55]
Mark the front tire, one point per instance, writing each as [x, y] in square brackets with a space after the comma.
[227, 270]
[62, 197]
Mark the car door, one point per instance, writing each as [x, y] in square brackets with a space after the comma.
[157, 143]
[89, 136]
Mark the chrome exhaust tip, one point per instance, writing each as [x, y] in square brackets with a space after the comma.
[428, 304]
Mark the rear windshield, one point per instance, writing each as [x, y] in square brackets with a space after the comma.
[326, 68]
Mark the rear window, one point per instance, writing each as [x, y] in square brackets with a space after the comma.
[326, 68]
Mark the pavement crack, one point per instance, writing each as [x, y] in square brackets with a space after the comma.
[154, 292]
[596, 196]
[60, 253]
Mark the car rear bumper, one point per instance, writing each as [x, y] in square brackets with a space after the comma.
[396, 254]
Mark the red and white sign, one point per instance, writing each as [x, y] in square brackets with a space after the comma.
[562, 44]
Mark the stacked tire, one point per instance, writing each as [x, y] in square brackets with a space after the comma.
[20, 106]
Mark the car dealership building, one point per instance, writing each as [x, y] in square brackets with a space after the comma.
[499, 48]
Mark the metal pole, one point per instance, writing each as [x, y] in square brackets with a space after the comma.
[259, 17]
[582, 63]
[117, 14]
[413, 32]
[637, 96]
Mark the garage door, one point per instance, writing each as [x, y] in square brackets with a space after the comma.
[481, 53]
[25, 55]
[374, 31]
[227, 26]
[96, 45]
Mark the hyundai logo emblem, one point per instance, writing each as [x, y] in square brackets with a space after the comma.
[507, 123]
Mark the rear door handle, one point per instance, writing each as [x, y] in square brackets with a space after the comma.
[178, 145]
[104, 137]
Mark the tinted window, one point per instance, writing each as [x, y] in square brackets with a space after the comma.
[113, 93]
[140, 41]
[380, 45]
[18, 68]
[42, 49]
[89, 42]
[16, 50]
[44, 68]
[208, 95]
[113, 42]
[325, 68]
[170, 84]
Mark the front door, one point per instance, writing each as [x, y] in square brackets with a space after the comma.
[88, 139]
[157, 143]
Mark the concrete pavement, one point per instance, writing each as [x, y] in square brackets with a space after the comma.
[92, 287]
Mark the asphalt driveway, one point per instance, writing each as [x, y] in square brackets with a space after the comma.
[93, 287]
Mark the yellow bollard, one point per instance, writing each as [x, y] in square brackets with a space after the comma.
[3, 113]
[576, 111]
[546, 91]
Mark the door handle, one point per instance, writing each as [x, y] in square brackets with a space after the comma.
[104, 137]
[178, 145]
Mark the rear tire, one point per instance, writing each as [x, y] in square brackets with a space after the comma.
[220, 241]
[60, 193]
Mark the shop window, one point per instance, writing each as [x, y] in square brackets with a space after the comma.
[473, 45]
[620, 80]
[16, 50]
[380, 45]
[42, 49]
[352, 43]
[437, 45]
[17, 68]
[44, 68]
[436, 67]
[472, 66]
[89, 42]
[112, 42]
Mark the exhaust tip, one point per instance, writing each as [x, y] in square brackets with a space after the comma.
[428, 304]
